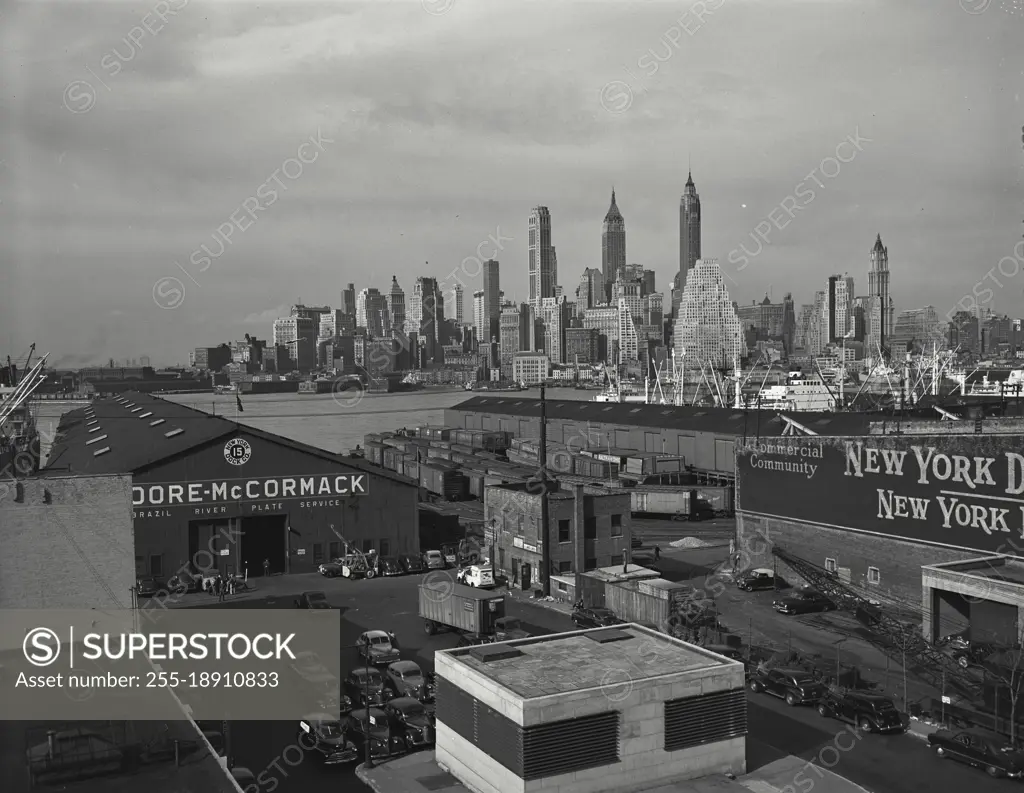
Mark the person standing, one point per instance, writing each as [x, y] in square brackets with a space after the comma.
[657, 552]
[266, 567]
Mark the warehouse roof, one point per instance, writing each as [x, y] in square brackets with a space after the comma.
[130, 432]
[616, 656]
[725, 421]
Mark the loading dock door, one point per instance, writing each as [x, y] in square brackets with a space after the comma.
[652, 442]
[993, 623]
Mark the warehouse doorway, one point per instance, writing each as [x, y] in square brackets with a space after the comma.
[264, 538]
[206, 540]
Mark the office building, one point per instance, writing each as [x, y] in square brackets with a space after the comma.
[543, 263]
[581, 345]
[348, 300]
[425, 316]
[629, 339]
[880, 318]
[515, 334]
[530, 368]
[555, 317]
[478, 316]
[605, 320]
[914, 330]
[613, 246]
[330, 324]
[839, 298]
[370, 310]
[491, 311]
[395, 304]
[298, 334]
[453, 304]
[591, 292]
[707, 329]
[689, 236]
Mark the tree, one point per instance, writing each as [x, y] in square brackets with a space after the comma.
[1005, 670]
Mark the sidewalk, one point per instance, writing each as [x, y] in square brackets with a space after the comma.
[418, 773]
[273, 587]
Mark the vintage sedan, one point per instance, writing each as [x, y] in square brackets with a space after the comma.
[331, 569]
[870, 712]
[389, 566]
[594, 617]
[411, 564]
[147, 587]
[804, 601]
[324, 736]
[406, 679]
[410, 720]
[980, 749]
[434, 560]
[757, 579]
[378, 647]
[313, 601]
[372, 726]
[795, 686]
[366, 684]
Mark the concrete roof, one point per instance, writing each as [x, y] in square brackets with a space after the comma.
[141, 430]
[726, 421]
[551, 664]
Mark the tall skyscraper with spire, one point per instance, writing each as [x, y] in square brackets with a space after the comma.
[881, 317]
[543, 266]
[613, 246]
[689, 236]
[395, 300]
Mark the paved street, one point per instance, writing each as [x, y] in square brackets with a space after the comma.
[894, 764]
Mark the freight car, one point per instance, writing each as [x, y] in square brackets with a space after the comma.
[443, 482]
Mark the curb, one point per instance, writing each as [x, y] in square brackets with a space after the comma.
[366, 779]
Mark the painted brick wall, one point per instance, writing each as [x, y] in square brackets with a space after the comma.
[76, 552]
[899, 563]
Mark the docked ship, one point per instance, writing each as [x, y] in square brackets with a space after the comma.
[19, 433]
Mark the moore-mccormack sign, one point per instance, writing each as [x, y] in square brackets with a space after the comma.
[957, 491]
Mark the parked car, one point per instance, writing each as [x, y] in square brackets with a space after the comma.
[147, 587]
[378, 647]
[980, 749]
[757, 579]
[594, 617]
[389, 566]
[312, 600]
[331, 569]
[795, 686]
[411, 564]
[804, 601]
[870, 712]
[410, 720]
[965, 652]
[481, 576]
[366, 684]
[372, 726]
[406, 679]
[434, 560]
[328, 739]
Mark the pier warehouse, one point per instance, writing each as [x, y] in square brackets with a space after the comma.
[219, 494]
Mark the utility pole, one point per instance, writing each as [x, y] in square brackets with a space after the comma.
[545, 550]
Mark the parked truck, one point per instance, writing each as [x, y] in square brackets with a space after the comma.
[466, 610]
[693, 504]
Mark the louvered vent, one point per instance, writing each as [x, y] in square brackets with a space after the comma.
[706, 719]
[490, 731]
[562, 747]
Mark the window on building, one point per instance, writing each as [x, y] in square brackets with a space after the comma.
[590, 564]
[318, 553]
[156, 565]
[616, 525]
[563, 531]
[140, 565]
[564, 567]
[617, 559]
[367, 546]
[385, 547]
[874, 575]
[563, 587]
[501, 558]
[590, 529]
[334, 550]
[830, 565]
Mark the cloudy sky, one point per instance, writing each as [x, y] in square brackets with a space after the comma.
[127, 140]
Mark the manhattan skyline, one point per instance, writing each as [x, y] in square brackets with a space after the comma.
[420, 159]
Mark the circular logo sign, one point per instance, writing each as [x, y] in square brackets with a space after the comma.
[237, 451]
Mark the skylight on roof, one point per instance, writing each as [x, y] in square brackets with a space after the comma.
[90, 423]
[97, 428]
[635, 410]
[98, 452]
[172, 433]
[154, 423]
[97, 439]
[822, 422]
[136, 410]
[701, 413]
[146, 415]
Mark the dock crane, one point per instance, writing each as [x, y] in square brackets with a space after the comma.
[901, 642]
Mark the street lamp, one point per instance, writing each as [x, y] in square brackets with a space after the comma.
[838, 643]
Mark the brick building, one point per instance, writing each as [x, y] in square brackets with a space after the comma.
[512, 517]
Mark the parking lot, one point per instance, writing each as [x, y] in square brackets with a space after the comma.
[900, 763]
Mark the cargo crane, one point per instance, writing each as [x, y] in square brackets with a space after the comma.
[903, 643]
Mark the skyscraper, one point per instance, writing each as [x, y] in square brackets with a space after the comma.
[613, 246]
[516, 334]
[590, 292]
[453, 304]
[707, 329]
[298, 333]
[348, 299]
[395, 300]
[881, 317]
[478, 315]
[370, 310]
[629, 340]
[424, 316]
[492, 303]
[839, 307]
[543, 264]
[689, 235]
[555, 316]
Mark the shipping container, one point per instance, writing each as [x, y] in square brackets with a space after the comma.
[411, 468]
[673, 501]
[465, 609]
[594, 468]
[375, 453]
[439, 454]
[475, 481]
[647, 464]
[390, 455]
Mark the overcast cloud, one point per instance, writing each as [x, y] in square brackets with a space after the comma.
[433, 131]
